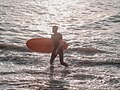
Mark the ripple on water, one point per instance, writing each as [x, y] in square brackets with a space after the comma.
[84, 23]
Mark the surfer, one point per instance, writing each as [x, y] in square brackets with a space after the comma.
[58, 49]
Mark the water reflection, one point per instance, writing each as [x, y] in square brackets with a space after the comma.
[58, 84]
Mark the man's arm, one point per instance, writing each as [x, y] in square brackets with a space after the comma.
[60, 43]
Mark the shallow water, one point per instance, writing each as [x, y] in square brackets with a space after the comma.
[90, 27]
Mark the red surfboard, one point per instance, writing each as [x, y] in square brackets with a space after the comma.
[42, 45]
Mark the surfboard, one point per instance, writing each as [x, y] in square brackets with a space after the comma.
[43, 45]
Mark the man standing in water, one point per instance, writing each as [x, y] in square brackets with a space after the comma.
[58, 48]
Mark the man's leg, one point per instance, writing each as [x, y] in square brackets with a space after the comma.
[61, 58]
[53, 56]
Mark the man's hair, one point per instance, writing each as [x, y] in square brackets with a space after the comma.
[55, 27]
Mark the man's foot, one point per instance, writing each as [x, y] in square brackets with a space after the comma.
[51, 67]
[65, 64]
[51, 64]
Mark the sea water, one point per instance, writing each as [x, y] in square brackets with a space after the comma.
[90, 27]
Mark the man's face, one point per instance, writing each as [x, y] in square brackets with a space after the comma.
[55, 28]
[54, 31]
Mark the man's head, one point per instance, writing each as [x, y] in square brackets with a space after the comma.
[54, 29]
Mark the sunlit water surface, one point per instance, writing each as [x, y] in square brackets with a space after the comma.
[90, 27]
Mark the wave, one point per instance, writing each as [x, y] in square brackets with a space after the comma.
[88, 50]
[114, 18]
[98, 63]
[14, 47]
[36, 60]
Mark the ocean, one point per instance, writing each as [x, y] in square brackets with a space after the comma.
[90, 27]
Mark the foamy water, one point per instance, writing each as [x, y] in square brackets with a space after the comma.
[90, 27]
